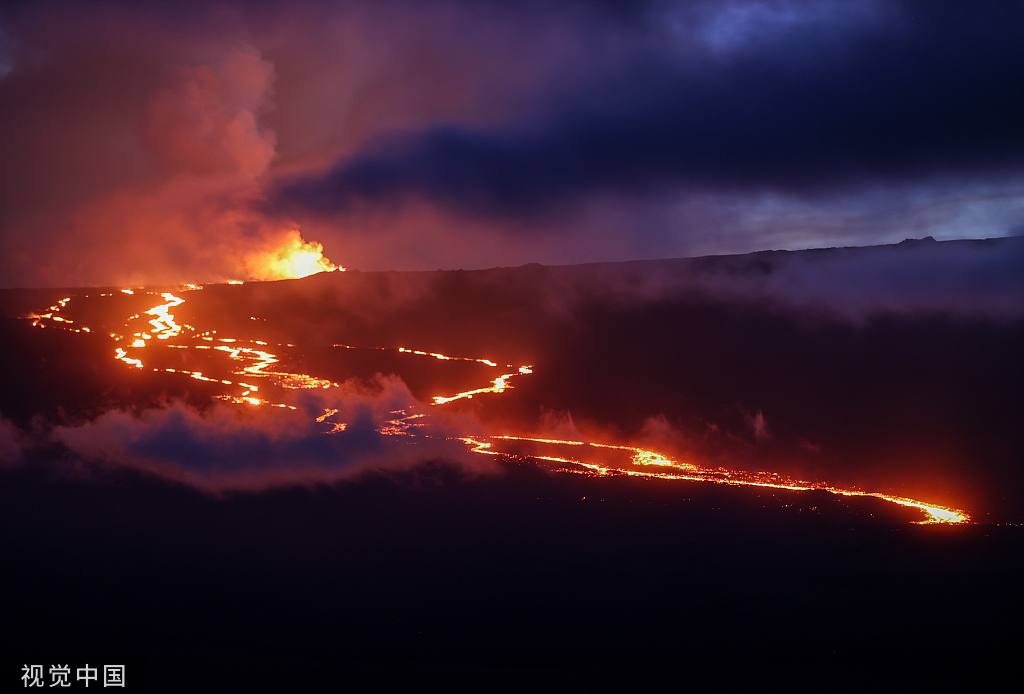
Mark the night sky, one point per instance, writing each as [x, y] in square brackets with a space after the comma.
[175, 141]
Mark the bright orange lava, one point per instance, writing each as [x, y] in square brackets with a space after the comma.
[292, 259]
[642, 460]
[256, 363]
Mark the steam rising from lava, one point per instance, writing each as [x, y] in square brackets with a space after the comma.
[252, 448]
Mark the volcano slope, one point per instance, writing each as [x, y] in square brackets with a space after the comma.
[154, 515]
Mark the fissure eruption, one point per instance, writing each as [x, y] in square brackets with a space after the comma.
[254, 360]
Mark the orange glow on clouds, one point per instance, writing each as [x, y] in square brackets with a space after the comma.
[200, 218]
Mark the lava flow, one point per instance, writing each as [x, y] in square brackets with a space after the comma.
[253, 360]
[640, 463]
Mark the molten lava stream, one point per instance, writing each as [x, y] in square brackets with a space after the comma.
[646, 463]
[254, 362]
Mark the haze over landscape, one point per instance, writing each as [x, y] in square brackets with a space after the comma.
[674, 342]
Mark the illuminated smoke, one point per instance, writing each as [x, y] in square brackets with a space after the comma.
[202, 221]
[207, 122]
[758, 425]
[293, 258]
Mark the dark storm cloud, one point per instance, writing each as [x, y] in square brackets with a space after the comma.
[923, 90]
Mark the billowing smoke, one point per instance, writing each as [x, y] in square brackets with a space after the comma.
[206, 121]
[203, 131]
[251, 448]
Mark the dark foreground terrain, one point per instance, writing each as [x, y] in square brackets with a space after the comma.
[428, 577]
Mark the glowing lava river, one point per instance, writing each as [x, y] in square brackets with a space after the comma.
[249, 373]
